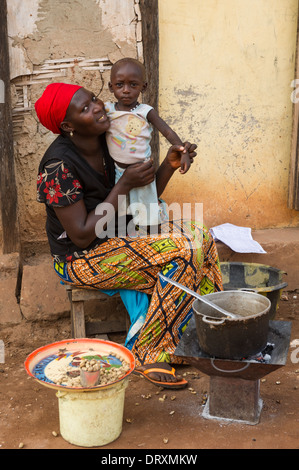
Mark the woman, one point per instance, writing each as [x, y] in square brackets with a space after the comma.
[76, 183]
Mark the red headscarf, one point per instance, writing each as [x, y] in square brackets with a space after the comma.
[52, 105]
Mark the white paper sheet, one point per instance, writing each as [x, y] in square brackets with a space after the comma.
[239, 239]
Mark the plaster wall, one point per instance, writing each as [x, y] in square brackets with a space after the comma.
[64, 41]
[225, 83]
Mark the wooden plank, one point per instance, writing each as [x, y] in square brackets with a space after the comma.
[296, 177]
[78, 320]
[293, 197]
[113, 326]
[8, 187]
[150, 36]
[82, 328]
[89, 294]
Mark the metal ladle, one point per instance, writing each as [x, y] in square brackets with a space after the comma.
[200, 297]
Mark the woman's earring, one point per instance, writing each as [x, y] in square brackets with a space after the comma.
[71, 133]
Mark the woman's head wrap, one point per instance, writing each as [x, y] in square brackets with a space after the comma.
[51, 107]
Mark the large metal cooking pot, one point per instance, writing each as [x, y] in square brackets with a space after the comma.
[228, 338]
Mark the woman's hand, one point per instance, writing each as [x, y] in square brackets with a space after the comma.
[175, 153]
[171, 163]
[138, 174]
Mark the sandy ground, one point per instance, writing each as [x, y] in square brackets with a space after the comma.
[29, 417]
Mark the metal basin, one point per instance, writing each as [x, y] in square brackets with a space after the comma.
[228, 338]
[259, 278]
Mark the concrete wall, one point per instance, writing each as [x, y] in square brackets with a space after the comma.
[226, 68]
[54, 40]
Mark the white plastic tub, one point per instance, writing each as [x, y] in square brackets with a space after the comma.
[94, 418]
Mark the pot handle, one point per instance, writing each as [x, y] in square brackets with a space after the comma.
[216, 322]
[229, 371]
[248, 289]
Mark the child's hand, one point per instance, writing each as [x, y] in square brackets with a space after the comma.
[139, 174]
[175, 153]
[186, 159]
[185, 162]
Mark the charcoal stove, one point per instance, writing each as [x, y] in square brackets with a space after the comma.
[234, 393]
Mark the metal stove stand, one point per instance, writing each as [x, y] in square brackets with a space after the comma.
[235, 385]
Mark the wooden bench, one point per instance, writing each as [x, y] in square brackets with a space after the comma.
[82, 328]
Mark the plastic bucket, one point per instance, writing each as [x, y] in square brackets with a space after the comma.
[260, 278]
[91, 419]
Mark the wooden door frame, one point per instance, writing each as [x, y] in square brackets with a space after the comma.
[293, 199]
[150, 39]
[8, 187]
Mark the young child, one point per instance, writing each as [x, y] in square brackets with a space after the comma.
[129, 135]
